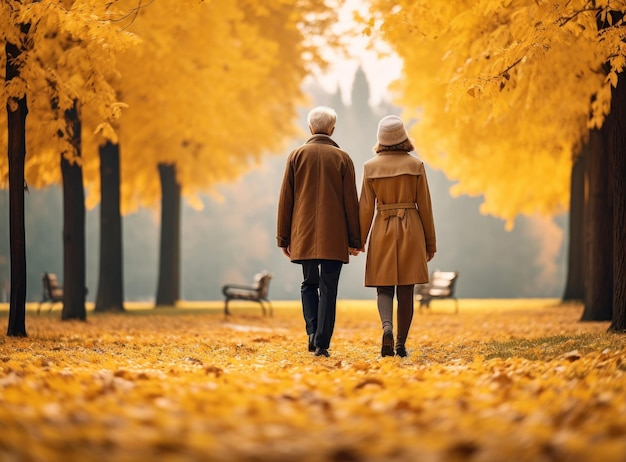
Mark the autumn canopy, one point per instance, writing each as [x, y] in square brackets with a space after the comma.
[503, 93]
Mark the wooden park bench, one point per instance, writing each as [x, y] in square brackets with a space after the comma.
[257, 292]
[52, 291]
[441, 285]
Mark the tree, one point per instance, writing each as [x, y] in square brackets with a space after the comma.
[110, 295]
[576, 249]
[491, 116]
[17, 110]
[58, 56]
[73, 222]
[616, 141]
[168, 288]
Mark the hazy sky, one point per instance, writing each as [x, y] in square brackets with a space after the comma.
[380, 71]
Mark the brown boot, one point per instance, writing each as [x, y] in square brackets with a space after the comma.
[387, 348]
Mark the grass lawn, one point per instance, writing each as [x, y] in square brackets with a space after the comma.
[519, 380]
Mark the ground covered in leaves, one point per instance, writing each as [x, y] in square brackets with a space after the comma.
[501, 380]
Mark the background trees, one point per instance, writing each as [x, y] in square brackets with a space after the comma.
[57, 58]
[504, 97]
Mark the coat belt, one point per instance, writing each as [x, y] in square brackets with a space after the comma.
[395, 210]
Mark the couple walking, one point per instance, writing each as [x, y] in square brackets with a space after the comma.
[321, 222]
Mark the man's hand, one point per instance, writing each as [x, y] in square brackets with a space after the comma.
[286, 251]
[430, 256]
[354, 252]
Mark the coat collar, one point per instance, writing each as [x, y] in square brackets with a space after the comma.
[321, 139]
[391, 152]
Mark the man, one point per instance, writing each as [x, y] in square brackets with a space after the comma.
[318, 222]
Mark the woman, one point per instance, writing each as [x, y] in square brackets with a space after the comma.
[396, 197]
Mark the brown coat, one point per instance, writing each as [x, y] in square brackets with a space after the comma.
[318, 207]
[394, 182]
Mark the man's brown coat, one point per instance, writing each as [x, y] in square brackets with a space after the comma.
[318, 208]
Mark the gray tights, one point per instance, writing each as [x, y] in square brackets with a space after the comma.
[384, 298]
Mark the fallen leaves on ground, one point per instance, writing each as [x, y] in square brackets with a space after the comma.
[483, 385]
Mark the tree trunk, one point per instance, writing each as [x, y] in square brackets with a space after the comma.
[74, 289]
[110, 296]
[17, 110]
[575, 285]
[617, 148]
[168, 290]
[5, 250]
[599, 267]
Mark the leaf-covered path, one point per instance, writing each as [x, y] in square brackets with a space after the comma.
[507, 380]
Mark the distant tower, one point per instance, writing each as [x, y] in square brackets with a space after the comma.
[361, 92]
[364, 116]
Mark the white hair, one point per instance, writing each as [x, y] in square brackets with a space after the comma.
[322, 119]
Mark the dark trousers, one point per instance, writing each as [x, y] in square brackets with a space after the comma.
[319, 298]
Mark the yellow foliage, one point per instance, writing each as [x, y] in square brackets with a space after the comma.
[507, 382]
[68, 55]
[503, 93]
[211, 88]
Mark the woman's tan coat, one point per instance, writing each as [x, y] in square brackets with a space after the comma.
[318, 207]
[396, 197]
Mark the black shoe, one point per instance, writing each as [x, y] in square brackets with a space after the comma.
[401, 351]
[322, 352]
[311, 342]
[387, 348]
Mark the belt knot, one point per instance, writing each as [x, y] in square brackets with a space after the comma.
[395, 210]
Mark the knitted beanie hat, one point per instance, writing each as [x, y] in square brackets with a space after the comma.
[391, 131]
